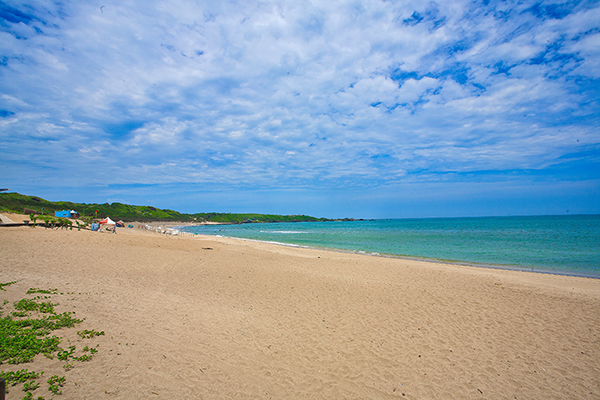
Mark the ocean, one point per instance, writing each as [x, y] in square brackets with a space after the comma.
[568, 245]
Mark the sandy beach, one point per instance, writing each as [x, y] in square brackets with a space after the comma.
[214, 318]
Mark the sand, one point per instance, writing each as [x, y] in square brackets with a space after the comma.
[214, 318]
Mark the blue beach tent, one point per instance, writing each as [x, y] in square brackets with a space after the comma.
[66, 214]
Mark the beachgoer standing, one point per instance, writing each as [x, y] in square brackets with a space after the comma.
[115, 228]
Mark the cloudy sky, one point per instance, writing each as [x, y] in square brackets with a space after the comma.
[330, 108]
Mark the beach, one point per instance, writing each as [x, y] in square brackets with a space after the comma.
[200, 317]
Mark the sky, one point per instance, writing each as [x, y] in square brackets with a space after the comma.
[364, 109]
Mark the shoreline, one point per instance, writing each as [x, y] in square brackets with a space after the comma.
[517, 268]
[174, 225]
[516, 275]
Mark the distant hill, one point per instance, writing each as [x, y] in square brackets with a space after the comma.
[22, 204]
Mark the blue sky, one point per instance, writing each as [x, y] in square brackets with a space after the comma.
[367, 109]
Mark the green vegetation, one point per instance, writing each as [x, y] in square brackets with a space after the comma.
[6, 284]
[253, 218]
[31, 305]
[19, 376]
[55, 383]
[54, 222]
[29, 396]
[36, 290]
[89, 334]
[85, 357]
[25, 333]
[30, 386]
[33, 205]
[65, 354]
[23, 339]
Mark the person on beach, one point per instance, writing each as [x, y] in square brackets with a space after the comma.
[115, 228]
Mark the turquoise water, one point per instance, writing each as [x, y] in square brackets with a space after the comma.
[554, 244]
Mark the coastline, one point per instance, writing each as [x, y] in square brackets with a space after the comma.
[195, 317]
[514, 268]
[565, 254]
[173, 226]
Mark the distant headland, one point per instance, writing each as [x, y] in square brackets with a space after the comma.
[19, 203]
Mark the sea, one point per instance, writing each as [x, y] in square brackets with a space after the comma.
[566, 244]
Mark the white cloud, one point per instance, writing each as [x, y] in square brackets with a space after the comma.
[589, 49]
[281, 93]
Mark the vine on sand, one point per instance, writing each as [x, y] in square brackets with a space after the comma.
[25, 332]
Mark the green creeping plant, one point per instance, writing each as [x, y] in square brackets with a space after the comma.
[30, 386]
[85, 334]
[55, 383]
[19, 376]
[6, 284]
[36, 290]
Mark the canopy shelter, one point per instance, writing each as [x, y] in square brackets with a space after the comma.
[107, 221]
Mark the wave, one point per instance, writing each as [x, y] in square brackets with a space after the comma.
[286, 232]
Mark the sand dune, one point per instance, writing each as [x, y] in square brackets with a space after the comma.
[213, 318]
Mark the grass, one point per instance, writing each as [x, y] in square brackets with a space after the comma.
[27, 332]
